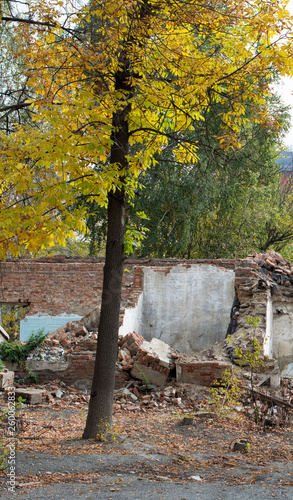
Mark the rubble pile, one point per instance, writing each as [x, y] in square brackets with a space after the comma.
[150, 384]
[150, 362]
[74, 335]
[272, 263]
[56, 393]
[50, 353]
[258, 278]
[272, 408]
[137, 396]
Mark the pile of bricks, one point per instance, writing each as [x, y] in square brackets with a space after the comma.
[274, 262]
[73, 335]
[174, 396]
[147, 361]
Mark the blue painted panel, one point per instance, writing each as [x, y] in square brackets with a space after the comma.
[32, 324]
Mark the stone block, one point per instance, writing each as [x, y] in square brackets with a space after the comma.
[53, 366]
[242, 446]
[275, 380]
[31, 396]
[82, 384]
[6, 379]
[143, 372]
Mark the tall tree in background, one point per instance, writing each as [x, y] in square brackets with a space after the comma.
[114, 82]
[221, 206]
[230, 203]
[14, 91]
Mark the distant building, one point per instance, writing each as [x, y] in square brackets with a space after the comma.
[286, 163]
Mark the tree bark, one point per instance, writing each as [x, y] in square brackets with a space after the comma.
[99, 417]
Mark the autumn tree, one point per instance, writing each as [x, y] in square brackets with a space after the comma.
[14, 91]
[113, 82]
[230, 196]
[230, 203]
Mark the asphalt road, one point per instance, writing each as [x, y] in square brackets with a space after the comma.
[136, 474]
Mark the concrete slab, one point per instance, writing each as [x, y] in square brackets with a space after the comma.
[31, 396]
[143, 372]
[6, 379]
[160, 349]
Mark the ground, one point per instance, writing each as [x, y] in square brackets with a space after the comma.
[150, 453]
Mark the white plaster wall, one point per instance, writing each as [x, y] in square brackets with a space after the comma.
[188, 308]
[268, 342]
[283, 330]
[132, 318]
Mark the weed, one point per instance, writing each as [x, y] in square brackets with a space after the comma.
[110, 434]
[15, 352]
[227, 392]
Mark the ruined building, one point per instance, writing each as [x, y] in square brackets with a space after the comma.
[190, 305]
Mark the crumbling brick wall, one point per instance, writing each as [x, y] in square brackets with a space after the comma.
[60, 284]
[264, 286]
[260, 280]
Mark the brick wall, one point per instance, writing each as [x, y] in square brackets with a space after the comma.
[61, 284]
[79, 370]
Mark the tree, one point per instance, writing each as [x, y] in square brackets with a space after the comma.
[115, 81]
[219, 207]
[227, 204]
[13, 89]
[278, 231]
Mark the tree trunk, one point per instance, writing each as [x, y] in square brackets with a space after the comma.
[99, 417]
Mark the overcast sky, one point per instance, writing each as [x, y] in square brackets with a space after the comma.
[286, 92]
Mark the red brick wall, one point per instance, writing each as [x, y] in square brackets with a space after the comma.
[201, 372]
[59, 284]
[80, 368]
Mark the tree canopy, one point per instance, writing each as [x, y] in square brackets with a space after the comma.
[164, 63]
[230, 203]
[221, 206]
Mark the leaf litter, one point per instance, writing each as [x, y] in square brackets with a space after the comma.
[177, 452]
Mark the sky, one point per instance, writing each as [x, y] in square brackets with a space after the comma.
[285, 90]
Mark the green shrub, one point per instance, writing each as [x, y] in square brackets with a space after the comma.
[18, 353]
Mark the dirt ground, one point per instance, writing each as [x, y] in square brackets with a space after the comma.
[150, 454]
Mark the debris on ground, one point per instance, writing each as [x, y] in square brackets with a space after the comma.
[6, 379]
[152, 375]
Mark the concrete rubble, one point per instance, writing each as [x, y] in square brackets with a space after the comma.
[63, 341]
[148, 374]
[154, 375]
[6, 379]
[147, 361]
